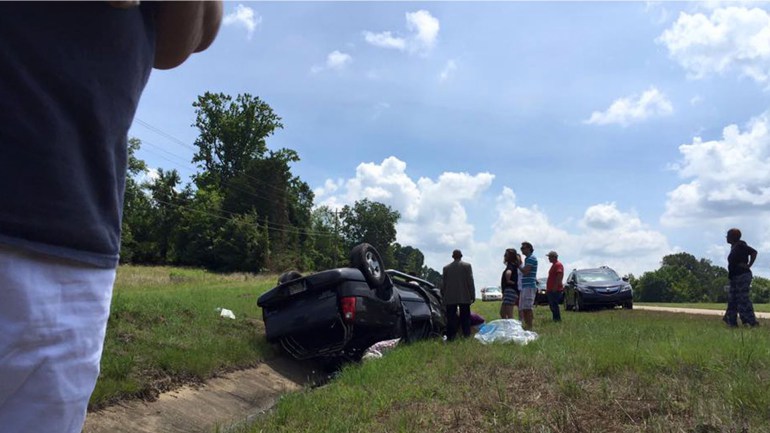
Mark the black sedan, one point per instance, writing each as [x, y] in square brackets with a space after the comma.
[339, 313]
[597, 287]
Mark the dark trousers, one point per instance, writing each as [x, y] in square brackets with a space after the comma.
[451, 320]
[739, 302]
[553, 301]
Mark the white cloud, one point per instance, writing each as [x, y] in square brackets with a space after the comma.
[435, 219]
[338, 60]
[728, 178]
[385, 40]
[243, 16]
[661, 14]
[378, 109]
[449, 68]
[423, 27]
[335, 60]
[605, 236]
[633, 109]
[730, 38]
[148, 175]
[426, 26]
[696, 100]
[615, 235]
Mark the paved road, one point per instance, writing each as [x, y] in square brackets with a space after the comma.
[694, 311]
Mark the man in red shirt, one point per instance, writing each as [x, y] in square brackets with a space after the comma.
[554, 287]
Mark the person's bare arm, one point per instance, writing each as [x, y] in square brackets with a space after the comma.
[526, 269]
[752, 258]
[508, 280]
[183, 28]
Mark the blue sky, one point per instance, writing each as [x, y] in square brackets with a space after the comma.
[612, 132]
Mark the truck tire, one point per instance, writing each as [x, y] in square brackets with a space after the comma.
[365, 258]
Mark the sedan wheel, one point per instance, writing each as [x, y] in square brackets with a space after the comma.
[579, 306]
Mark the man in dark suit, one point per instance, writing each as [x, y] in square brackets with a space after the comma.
[458, 291]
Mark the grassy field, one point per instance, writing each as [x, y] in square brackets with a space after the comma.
[603, 371]
[765, 308]
[164, 330]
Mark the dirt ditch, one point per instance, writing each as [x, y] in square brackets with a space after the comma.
[221, 402]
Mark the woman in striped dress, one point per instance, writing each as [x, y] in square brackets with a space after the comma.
[509, 283]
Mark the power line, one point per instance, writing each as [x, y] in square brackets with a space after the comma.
[163, 133]
[177, 140]
[272, 226]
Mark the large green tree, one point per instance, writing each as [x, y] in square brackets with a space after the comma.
[251, 179]
[682, 278]
[232, 133]
[371, 222]
[327, 245]
[168, 201]
[136, 206]
[408, 259]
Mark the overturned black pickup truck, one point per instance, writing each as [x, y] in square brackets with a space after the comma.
[339, 313]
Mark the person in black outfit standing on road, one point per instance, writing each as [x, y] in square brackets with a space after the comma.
[739, 264]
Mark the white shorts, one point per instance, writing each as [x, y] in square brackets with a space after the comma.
[527, 298]
[53, 317]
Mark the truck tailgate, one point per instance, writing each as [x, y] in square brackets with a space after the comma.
[310, 312]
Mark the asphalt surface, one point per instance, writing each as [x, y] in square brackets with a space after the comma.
[694, 311]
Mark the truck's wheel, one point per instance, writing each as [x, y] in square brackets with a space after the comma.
[366, 258]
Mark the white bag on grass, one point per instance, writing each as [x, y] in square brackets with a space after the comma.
[224, 312]
[504, 331]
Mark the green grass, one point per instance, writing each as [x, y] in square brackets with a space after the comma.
[164, 329]
[765, 308]
[605, 371]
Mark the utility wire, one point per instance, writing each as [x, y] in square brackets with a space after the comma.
[177, 140]
[271, 225]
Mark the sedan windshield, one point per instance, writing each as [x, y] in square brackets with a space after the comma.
[598, 276]
[492, 290]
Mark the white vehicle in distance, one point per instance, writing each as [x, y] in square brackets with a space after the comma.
[491, 294]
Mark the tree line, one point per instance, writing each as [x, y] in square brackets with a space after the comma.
[244, 210]
[683, 278]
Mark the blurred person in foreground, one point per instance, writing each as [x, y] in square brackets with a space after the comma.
[554, 286]
[458, 292]
[739, 263]
[71, 80]
[528, 286]
[509, 283]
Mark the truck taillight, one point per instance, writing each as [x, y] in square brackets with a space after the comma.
[348, 305]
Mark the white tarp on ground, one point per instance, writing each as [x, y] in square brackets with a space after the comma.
[504, 331]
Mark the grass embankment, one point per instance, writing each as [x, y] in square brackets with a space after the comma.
[164, 330]
[603, 371]
[618, 370]
[764, 308]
